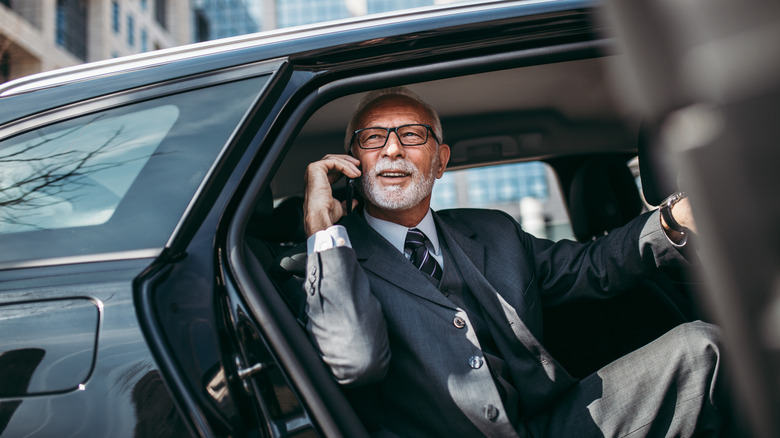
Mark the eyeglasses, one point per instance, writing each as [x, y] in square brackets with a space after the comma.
[409, 135]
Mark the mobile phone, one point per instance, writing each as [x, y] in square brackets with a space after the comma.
[350, 193]
[350, 188]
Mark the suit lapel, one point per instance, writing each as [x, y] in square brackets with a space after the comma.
[381, 258]
[464, 238]
[469, 255]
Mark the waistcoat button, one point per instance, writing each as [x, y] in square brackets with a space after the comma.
[490, 412]
[459, 322]
[475, 362]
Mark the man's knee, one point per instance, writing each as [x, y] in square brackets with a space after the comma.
[696, 349]
[702, 329]
[699, 338]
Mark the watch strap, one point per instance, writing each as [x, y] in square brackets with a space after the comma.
[666, 212]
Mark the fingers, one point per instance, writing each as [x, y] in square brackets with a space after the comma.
[339, 165]
[332, 167]
[320, 175]
[321, 209]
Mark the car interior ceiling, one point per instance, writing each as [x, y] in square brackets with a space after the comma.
[563, 113]
[508, 115]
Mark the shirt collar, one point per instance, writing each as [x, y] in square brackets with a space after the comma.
[396, 234]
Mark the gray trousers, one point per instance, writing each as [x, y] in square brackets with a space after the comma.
[665, 389]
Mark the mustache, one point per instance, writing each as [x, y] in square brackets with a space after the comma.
[400, 164]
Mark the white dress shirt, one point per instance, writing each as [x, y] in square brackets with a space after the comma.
[336, 235]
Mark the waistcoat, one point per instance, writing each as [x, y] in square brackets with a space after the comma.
[453, 286]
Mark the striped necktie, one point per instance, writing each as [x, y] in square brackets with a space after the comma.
[419, 255]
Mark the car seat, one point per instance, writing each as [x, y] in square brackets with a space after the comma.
[586, 335]
[277, 239]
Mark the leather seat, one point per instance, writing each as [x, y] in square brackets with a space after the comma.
[603, 196]
[277, 239]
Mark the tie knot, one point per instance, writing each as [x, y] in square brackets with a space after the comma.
[415, 239]
[419, 255]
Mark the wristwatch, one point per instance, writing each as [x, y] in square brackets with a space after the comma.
[666, 212]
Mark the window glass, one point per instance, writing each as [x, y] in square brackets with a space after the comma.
[71, 27]
[77, 176]
[115, 180]
[144, 40]
[130, 31]
[115, 16]
[529, 192]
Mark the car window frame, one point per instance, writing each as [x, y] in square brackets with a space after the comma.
[139, 95]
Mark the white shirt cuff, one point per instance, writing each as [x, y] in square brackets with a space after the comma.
[331, 237]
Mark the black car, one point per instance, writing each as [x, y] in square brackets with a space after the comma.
[151, 210]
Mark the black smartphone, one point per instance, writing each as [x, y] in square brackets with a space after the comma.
[350, 189]
[350, 193]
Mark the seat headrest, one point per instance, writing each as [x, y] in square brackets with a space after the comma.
[603, 196]
[288, 220]
[282, 224]
[265, 206]
[658, 180]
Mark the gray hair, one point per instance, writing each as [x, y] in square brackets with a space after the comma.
[375, 95]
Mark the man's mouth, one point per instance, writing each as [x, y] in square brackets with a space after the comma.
[393, 174]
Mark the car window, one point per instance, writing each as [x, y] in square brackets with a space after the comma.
[76, 176]
[529, 192]
[115, 180]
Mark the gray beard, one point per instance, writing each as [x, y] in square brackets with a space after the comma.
[396, 198]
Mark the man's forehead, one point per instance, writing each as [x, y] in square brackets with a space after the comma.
[390, 108]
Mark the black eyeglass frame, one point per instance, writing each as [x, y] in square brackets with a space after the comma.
[395, 129]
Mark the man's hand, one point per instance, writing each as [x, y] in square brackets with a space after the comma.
[320, 208]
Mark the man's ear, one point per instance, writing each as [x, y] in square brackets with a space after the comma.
[444, 158]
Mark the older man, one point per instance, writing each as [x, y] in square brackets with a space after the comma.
[432, 320]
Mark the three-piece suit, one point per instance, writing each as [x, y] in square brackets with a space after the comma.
[410, 357]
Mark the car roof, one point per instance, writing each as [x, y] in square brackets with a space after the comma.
[316, 40]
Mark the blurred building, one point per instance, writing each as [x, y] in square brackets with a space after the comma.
[529, 192]
[213, 19]
[286, 13]
[40, 35]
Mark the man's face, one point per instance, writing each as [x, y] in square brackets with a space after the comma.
[399, 178]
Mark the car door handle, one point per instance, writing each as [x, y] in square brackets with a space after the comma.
[245, 373]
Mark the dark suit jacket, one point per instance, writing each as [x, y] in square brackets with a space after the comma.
[388, 334]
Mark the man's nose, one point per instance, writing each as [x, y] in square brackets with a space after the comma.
[393, 146]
